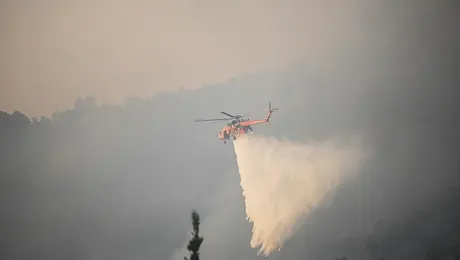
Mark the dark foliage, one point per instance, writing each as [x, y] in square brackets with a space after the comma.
[195, 243]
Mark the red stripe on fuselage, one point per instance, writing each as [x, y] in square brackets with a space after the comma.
[252, 122]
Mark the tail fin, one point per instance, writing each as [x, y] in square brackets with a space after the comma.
[270, 111]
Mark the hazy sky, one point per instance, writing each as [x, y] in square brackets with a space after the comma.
[54, 51]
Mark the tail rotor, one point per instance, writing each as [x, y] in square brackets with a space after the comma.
[270, 110]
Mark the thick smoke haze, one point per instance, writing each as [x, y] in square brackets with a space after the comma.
[283, 182]
[119, 181]
[54, 51]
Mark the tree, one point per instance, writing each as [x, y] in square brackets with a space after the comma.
[195, 243]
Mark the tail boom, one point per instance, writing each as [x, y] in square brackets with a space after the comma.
[266, 120]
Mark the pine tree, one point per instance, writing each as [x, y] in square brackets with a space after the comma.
[195, 243]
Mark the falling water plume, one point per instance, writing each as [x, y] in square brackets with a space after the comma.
[283, 182]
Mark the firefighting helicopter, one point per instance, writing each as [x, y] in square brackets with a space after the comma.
[238, 125]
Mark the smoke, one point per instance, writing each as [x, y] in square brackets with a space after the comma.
[283, 182]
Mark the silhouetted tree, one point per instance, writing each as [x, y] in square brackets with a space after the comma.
[195, 243]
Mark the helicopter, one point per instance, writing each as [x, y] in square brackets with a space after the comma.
[238, 125]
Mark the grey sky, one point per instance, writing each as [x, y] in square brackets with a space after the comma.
[54, 51]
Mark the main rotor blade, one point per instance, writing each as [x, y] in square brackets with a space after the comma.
[211, 120]
[227, 114]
